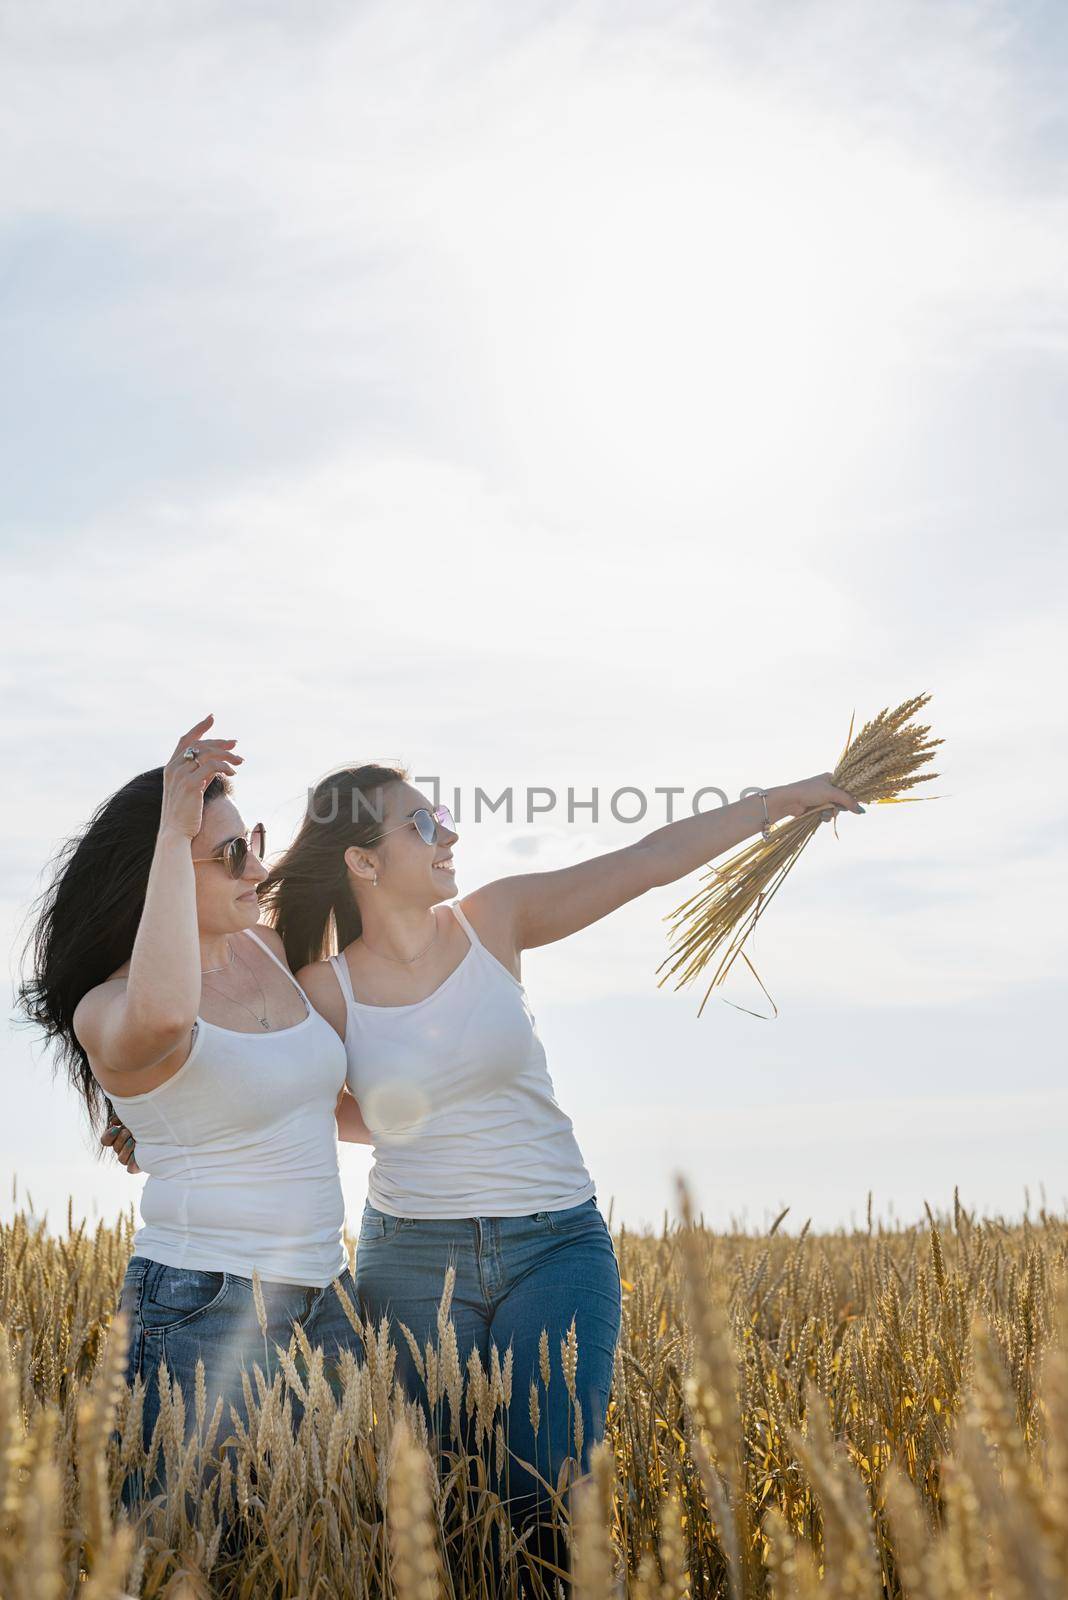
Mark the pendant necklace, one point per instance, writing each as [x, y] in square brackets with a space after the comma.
[263, 1022]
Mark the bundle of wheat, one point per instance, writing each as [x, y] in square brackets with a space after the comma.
[876, 767]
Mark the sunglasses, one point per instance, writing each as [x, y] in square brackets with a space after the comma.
[426, 824]
[234, 852]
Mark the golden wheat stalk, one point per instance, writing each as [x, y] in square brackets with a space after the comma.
[412, 1540]
[876, 768]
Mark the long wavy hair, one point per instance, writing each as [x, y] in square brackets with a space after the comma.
[307, 895]
[85, 921]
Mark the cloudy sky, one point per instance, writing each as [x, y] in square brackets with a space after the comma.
[572, 395]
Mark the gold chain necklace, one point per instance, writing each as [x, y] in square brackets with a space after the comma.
[406, 960]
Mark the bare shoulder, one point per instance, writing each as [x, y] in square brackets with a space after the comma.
[271, 938]
[486, 907]
[319, 982]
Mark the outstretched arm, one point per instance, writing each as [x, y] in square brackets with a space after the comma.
[536, 908]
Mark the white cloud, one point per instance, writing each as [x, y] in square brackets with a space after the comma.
[578, 398]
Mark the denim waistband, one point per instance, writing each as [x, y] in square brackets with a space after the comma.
[559, 1214]
[139, 1265]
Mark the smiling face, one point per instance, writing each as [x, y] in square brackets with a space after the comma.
[224, 904]
[408, 868]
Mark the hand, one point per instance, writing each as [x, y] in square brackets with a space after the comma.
[122, 1142]
[184, 781]
[817, 794]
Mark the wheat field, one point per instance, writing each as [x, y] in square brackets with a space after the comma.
[847, 1415]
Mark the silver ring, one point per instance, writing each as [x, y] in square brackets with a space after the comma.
[191, 754]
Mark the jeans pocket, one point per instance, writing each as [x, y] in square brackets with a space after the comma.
[130, 1305]
[372, 1226]
[130, 1293]
[573, 1217]
[173, 1296]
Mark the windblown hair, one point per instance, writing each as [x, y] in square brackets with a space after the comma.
[85, 922]
[307, 895]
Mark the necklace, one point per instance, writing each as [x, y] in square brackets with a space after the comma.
[407, 960]
[224, 966]
[261, 1020]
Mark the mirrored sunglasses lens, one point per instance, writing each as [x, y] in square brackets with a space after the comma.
[259, 841]
[236, 855]
[444, 816]
[425, 824]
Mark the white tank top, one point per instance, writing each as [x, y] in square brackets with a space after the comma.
[456, 1091]
[241, 1151]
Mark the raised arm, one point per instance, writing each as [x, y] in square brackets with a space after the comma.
[536, 908]
[131, 1023]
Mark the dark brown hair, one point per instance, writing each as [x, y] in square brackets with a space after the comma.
[307, 894]
[85, 922]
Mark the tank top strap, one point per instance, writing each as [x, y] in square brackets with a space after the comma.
[341, 970]
[488, 959]
[454, 907]
[267, 949]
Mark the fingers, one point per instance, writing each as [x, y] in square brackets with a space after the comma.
[195, 736]
[198, 727]
[209, 765]
[185, 781]
[132, 1167]
[193, 733]
[199, 773]
[216, 747]
[121, 1141]
[846, 801]
[207, 749]
[125, 1145]
[834, 799]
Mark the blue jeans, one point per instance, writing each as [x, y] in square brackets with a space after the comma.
[180, 1314]
[515, 1276]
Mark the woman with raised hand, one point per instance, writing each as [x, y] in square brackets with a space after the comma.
[475, 1163]
[166, 999]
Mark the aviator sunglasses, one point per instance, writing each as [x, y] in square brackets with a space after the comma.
[426, 824]
[234, 853]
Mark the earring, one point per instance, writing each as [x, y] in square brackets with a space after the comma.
[374, 881]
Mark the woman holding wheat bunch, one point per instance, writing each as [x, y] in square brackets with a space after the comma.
[475, 1164]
